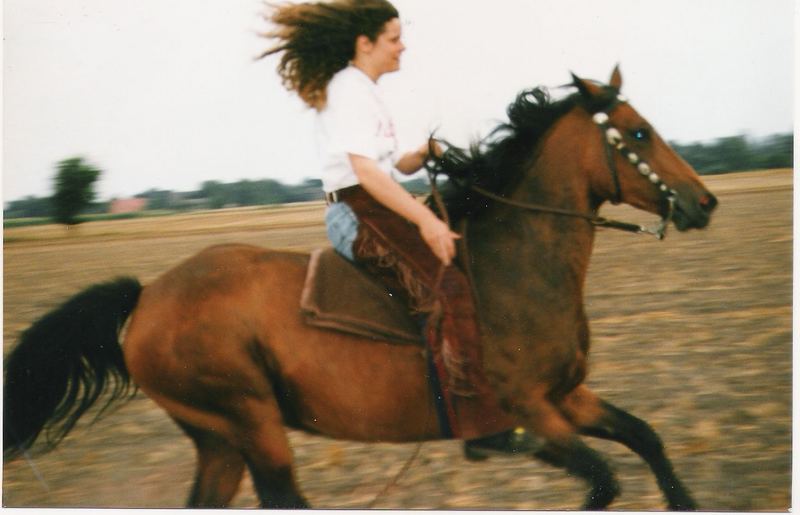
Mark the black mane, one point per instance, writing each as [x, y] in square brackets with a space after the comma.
[496, 163]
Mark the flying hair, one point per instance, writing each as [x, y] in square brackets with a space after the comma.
[316, 40]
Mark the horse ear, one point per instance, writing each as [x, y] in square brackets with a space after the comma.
[587, 89]
[616, 78]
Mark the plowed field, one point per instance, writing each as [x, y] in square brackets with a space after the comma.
[692, 334]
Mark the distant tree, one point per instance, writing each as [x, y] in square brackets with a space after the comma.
[418, 186]
[309, 189]
[739, 153]
[242, 193]
[29, 207]
[735, 153]
[214, 191]
[158, 199]
[74, 189]
[269, 191]
[96, 208]
[776, 151]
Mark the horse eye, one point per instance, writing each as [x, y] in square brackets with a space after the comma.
[640, 134]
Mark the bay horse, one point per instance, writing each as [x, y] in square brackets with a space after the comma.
[219, 344]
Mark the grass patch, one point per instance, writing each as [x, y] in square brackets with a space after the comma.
[27, 222]
[127, 216]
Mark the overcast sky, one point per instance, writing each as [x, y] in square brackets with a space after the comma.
[166, 93]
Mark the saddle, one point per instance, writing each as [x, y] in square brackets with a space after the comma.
[340, 296]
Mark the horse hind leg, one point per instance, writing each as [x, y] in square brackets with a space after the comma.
[597, 418]
[263, 446]
[266, 450]
[220, 467]
[564, 449]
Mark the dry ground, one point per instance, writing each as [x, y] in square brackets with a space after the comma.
[692, 334]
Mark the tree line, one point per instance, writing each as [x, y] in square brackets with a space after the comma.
[738, 154]
[74, 179]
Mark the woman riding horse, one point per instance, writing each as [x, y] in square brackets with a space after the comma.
[219, 343]
[371, 219]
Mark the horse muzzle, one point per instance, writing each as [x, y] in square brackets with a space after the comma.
[693, 211]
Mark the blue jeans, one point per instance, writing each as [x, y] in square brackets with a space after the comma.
[341, 224]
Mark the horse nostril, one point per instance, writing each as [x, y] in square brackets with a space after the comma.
[708, 203]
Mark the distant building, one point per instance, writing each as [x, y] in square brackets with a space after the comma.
[127, 205]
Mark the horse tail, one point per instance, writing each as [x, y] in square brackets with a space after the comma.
[64, 362]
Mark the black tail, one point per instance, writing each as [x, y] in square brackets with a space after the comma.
[64, 362]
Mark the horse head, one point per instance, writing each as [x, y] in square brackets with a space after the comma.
[629, 162]
[570, 156]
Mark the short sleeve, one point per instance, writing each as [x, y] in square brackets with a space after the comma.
[350, 119]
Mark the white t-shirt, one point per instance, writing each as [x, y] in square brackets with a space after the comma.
[356, 121]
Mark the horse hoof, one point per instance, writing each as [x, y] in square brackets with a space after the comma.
[515, 442]
[687, 505]
[602, 496]
[473, 455]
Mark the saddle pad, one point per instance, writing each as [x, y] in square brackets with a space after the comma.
[338, 295]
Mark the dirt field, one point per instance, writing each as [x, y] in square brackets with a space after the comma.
[693, 334]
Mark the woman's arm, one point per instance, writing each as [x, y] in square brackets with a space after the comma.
[388, 192]
[411, 162]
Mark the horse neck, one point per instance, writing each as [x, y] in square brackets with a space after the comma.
[544, 257]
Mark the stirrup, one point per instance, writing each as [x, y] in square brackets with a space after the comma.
[514, 442]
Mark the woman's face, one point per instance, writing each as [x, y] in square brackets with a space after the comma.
[384, 52]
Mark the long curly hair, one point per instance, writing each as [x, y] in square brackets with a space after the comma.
[318, 39]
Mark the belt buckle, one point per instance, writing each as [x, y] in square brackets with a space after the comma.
[332, 197]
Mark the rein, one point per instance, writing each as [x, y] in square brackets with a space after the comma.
[612, 140]
[595, 220]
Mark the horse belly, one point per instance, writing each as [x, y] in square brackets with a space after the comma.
[357, 389]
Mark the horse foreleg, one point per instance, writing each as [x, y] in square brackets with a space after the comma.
[564, 449]
[220, 467]
[595, 417]
[581, 461]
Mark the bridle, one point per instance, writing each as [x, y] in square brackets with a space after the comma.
[612, 140]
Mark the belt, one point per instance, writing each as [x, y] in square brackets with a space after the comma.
[337, 196]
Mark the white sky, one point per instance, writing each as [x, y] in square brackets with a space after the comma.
[166, 94]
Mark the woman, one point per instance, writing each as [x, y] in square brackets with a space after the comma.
[333, 55]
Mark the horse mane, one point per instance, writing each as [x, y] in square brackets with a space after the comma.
[497, 162]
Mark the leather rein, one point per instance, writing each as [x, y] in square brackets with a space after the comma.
[612, 140]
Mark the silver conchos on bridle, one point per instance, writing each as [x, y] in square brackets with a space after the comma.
[613, 140]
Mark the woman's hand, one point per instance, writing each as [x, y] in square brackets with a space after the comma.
[432, 147]
[436, 234]
[413, 161]
[439, 238]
